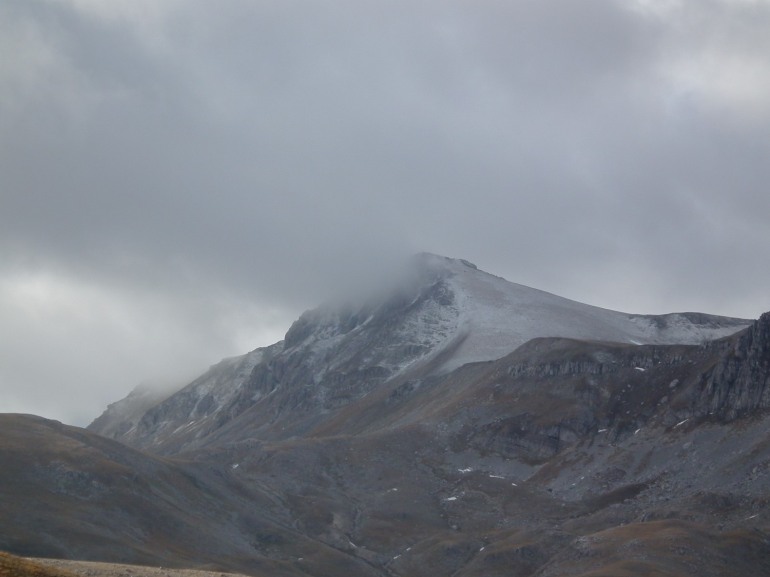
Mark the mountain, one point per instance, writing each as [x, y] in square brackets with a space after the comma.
[439, 314]
[452, 424]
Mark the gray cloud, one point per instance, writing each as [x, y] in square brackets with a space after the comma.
[180, 179]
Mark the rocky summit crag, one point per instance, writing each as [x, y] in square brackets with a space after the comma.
[453, 424]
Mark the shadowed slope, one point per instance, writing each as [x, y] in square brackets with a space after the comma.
[72, 494]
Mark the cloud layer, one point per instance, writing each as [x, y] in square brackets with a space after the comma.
[179, 179]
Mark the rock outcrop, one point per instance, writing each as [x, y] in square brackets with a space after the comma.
[739, 382]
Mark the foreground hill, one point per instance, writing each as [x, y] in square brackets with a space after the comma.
[72, 494]
[91, 569]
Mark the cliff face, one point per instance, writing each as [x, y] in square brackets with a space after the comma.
[738, 384]
[554, 394]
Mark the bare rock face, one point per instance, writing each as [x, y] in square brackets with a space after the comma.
[738, 384]
[191, 411]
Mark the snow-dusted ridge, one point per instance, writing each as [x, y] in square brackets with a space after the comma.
[498, 316]
[185, 412]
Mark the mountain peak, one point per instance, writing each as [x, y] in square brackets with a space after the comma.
[442, 314]
[438, 262]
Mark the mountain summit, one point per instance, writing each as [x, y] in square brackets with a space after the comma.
[491, 316]
[438, 315]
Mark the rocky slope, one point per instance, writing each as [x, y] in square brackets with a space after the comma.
[550, 461]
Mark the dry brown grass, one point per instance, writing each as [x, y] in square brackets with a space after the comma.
[69, 568]
[12, 566]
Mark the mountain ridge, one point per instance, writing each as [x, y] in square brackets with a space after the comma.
[438, 315]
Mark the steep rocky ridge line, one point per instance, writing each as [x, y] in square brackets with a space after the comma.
[738, 384]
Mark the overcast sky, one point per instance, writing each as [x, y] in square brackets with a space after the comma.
[179, 179]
